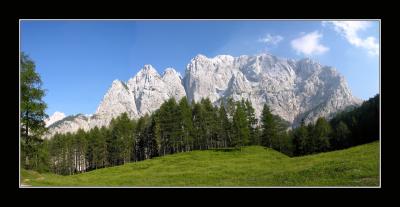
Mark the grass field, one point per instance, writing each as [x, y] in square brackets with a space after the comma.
[252, 166]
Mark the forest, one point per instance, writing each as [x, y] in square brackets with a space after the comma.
[179, 126]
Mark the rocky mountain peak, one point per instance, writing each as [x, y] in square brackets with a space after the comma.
[57, 116]
[171, 72]
[293, 89]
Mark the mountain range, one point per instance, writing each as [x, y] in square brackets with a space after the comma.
[293, 89]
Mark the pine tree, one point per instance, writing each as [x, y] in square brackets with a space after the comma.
[186, 123]
[210, 121]
[310, 142]
[230, 107]
[240, 127]
[269, 127]
[101, 145]
[120, 143]
[170, 127]
[341, 138]
[224, 127]
[252, 121]
[199, 127]
[32, 113]
[300, 139]
[321, 135]
[80, 145]
[153, 138]
[94, 149]
[140, 138]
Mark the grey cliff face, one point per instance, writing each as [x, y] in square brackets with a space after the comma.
[294, 90]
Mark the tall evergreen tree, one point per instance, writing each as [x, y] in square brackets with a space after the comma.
[101, 147]
[32, 113]
[240, 126]
[170, 127]
[341, 139]
[300, 138]
[321, 135]
[224, 127]
[199, 126]
[153, 138]
[210, 121]
[230, 107]
[186, 123]
[93, 148]
[269, 127]
[80, 145]
[140, 138]
[252, 121]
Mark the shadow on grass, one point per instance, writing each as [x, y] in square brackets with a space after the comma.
[230, 149]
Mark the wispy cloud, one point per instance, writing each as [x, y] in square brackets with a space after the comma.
[271, 39]
[350, 30]
[309, 44]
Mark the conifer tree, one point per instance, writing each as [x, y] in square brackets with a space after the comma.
[240, 126]
[341, 139]
[186, 124]
[252, 121]
[225, 133]
[321, 135]
[269, 127]
[32, 113]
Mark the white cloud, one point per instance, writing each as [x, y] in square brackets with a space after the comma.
[350, 29]
[271, 39]
[309, 44]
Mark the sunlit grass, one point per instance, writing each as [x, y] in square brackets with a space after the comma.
[251, 166]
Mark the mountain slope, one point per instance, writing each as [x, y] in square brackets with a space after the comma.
[253, 166]
[294, 90]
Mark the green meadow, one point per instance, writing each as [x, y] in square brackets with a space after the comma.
[250, 166]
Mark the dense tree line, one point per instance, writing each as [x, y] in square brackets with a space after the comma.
[180, 127]
[351, 127]
[174, 127]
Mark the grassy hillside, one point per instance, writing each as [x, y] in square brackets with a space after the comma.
[253, 166]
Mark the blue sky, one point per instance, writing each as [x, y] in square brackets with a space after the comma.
[78, 60]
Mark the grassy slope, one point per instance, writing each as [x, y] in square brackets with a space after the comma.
[253, 166]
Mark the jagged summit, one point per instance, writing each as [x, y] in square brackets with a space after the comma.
[171, 72]
[293, 89]
[57, 116]
[149, 69]
[148, 72]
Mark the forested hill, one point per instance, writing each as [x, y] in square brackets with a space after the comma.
[181, 127]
